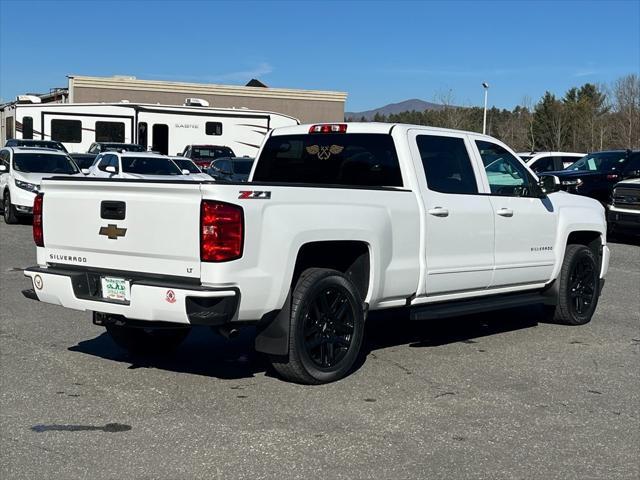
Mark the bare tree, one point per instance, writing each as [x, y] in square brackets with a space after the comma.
[626, 93]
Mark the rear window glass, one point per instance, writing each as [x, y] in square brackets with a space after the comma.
[361, 159]
[211, 153]
[243, 167]
[150, 166]
[43, 163]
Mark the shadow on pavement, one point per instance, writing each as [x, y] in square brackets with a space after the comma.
[624, 239]
[208, 354]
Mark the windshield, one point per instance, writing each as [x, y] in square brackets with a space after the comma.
[599, 162]
[84, 162]
[150, 166]
[211, 153]
[242, 167]
[43, 163]
[187, 165]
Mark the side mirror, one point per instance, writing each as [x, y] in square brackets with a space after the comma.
[549, 184]
[111, 169]
[185, 171]
[179, 154]
[85, 171]
[3, 168]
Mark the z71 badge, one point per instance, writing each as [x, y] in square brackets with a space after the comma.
[256, 194]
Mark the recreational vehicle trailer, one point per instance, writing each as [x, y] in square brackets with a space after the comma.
[163, 128]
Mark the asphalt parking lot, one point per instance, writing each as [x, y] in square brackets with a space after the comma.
[486, 396]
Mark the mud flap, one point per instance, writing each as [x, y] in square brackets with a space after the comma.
[273, 331]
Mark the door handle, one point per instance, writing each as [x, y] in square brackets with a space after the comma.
[505, 212]
[438, 212]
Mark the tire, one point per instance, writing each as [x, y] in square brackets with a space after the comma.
[9, 211]
[326, 329]
[579, 283]
[143, 341]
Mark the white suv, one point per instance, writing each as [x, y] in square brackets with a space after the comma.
[135, 165]
[21, 171]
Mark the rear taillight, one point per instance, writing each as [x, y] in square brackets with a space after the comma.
[612, 176]
[38, 234]
[329, 128]
[221, 231]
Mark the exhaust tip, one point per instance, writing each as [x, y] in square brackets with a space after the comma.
[228, 332]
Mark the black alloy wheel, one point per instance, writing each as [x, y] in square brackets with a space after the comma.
[328, 327]
[583, 285]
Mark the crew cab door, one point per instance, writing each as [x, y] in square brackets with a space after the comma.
[458, 219]
[525, 221]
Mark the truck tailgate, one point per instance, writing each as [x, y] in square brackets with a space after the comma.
[122, 225]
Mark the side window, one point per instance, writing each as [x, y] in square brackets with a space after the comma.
[69, 131]
[213, 128]
[27, 128]
[566, 161]
[110, 132]
[446, 164]
[107, 161]
[4, 159]
[506, 175]
[634, 164]
[223, 165]
[545, 164]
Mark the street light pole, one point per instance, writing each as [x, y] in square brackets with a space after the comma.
[485, 85]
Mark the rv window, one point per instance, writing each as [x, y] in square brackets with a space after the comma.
[213, 128]
[142, 134]
[9, 128]
[66, 131]
[110, 132]
[27, 128]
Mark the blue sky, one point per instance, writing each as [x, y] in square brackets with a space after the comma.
[377, 51]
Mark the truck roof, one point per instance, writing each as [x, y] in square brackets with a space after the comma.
[368, 127]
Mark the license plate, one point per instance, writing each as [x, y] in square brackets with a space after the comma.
[114, 288]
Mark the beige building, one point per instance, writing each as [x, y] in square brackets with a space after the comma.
[306, 105]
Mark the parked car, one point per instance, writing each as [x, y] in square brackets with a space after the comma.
[186, 164]
[231, 169]
[595, 174]
[17, 142]
[623, 213]
[21, 172]
[549, 161]
[203, 155]
[134, 165]
[85, 160]
[338, 220]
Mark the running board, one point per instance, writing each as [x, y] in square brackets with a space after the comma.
[477, 305]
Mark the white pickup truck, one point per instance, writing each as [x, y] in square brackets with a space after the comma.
[337, 220]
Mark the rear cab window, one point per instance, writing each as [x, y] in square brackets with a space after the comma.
[344, 159]
[149, 166]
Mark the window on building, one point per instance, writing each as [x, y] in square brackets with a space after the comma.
[69, 131]
[446, 163]
[213, 128]
[110, 132]
[27, 128]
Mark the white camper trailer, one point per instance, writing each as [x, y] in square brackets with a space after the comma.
[163, 128]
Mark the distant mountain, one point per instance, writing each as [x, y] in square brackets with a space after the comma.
[406, 106]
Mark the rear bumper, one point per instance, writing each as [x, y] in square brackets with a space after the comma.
[151, 299]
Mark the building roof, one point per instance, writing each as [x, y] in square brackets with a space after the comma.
[132, 83]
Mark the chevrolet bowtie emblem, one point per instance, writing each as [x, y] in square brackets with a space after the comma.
[112, 231]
